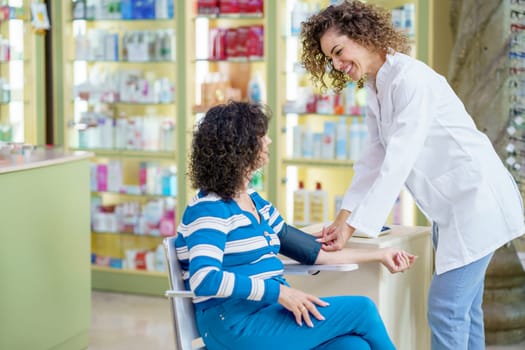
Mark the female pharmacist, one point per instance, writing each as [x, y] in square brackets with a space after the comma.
[422, 137]
[228, 242]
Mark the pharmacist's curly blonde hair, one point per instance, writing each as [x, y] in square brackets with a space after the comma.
[367, 24]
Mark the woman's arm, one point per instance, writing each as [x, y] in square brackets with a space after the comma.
[395, 260]
[302, 247]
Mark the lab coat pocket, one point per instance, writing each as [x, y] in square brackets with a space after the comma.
[458, 185]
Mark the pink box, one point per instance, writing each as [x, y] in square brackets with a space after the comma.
[251, 6]
[207, 7]
[229, 6]
[217, 44]
[143, 176]
[167, 224]
[102, 177]
[231, 43]
[243, 33]
[255, 43]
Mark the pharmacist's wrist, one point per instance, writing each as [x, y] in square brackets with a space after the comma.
[343, 216]
[349, 231]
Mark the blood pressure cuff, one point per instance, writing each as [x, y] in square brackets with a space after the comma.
[299, 245]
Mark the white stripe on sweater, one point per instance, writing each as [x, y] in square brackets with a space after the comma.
[245, 245]
[206, 250]
[200, 275]
[227, 284]
[214, 223]
[257, 291]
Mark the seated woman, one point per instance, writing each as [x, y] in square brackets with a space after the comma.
[228, 243]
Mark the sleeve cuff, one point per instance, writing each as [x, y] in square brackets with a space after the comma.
[272, 290]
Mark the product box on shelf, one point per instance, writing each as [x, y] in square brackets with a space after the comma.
[230, 7]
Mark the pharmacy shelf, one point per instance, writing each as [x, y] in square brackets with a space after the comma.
[73, 69]
[129, 271]
[230, 16]
[232, 60]
[310, 162]
[130, 281]
[26, 121]
[125, 194]
[125, 234]
[289, 113]
[100, 152]
[122, 20]
[125, 103]
[125, 62]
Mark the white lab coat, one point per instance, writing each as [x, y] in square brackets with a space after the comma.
[421, 136]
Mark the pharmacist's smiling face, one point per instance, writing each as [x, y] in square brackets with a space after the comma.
[347, 56]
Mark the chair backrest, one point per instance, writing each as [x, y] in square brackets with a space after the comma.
[185, 328]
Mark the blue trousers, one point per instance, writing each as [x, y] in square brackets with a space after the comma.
[351, 322]
[455, 315]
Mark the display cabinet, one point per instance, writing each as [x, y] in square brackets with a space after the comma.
[229, 52]
[119, 101]
[22, 104]
[321, 134]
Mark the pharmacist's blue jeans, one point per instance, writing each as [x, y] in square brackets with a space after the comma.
[351, 322]
[454, 307]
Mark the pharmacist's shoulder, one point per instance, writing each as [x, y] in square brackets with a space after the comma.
[408, 76]
[402, 66]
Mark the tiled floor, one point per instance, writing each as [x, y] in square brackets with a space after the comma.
[132, 322]
[129, 322]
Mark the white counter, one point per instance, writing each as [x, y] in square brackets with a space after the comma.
[401, 298]
[38, 158]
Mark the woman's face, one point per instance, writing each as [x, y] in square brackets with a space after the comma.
[347, 56]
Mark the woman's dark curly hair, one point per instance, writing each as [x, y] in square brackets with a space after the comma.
[367, 24]
[226, 147]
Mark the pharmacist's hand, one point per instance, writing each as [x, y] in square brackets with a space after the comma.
[301, 305]
[335, 236]
[396, 260]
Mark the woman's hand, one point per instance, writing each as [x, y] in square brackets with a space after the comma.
[396, 260]
[335, 236]
[301, 305]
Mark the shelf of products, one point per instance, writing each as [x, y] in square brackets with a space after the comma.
[119, 102]
[22, 106]
[230, 60]
[322, 133]
[316, 162]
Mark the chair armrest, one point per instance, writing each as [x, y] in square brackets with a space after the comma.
[179, 294]
[292, 267]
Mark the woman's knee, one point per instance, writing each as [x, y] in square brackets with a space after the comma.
[367, 309]
[366, 304]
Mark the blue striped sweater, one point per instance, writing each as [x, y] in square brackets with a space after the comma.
[225, 252]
